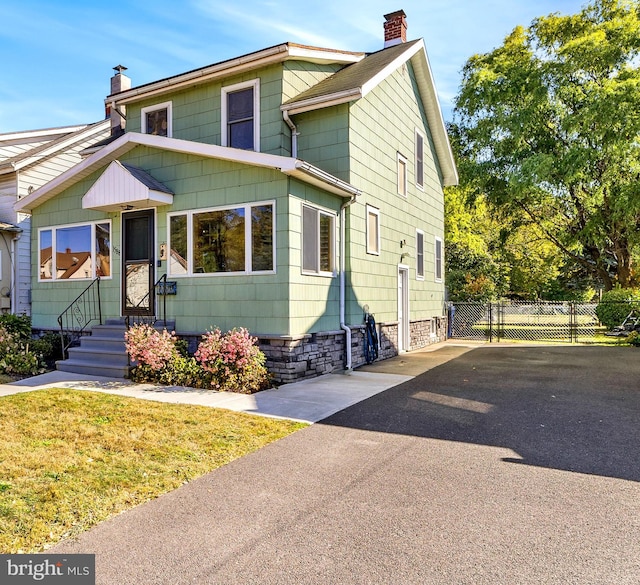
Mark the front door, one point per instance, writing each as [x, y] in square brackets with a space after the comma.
[138, 295]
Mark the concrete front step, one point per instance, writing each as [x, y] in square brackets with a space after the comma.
[93, 369]
[103, 352]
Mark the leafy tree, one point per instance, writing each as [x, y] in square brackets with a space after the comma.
[549, 127]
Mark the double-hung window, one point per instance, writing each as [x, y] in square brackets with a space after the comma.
[419, 255]
[419, 160]
[241, 115]
[237, 239]
[156, 120]
[318, 241]
[373, 230]
[74, 252]
[438, 259]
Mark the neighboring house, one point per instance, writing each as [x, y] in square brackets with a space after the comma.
[289, 191]
[29, 160]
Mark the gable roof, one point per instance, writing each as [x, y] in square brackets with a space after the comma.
[135, 189]
[293, 167]
[251, 61]
[35, 146]
[355, 81]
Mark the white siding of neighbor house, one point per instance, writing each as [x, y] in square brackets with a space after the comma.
[37, 172]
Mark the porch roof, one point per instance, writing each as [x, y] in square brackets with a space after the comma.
[124, 186]
[294, 167]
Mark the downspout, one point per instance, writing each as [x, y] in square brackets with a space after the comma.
[343, 247]
[294, 133]
[14, 274]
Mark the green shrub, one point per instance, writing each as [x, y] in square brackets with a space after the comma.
[633, 338]
[616, 304]
[17, 325]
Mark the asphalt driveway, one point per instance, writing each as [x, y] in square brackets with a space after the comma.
[503, 465]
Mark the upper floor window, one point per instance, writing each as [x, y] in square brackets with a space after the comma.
[232, 239]
[419, 255]
[75, 252]
[241, 115]
[156, 120]
[373, 230]
[402, 175]
[438, 260]
[318, 241]
[419, 159]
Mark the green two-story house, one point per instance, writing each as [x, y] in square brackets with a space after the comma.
[289, 191]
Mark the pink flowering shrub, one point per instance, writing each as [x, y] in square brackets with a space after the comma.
[151, 349]
[233, 360]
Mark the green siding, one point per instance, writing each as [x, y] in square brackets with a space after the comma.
[356, 142]
[381, 125]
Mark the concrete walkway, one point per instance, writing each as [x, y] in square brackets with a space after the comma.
[307, 401]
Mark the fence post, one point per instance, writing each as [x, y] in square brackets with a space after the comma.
[490, 322]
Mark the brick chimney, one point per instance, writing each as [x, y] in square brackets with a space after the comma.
[119, 82]
[395, 28]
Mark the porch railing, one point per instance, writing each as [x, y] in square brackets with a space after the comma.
[75, 319]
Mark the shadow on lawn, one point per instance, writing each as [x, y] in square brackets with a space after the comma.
[569, 408]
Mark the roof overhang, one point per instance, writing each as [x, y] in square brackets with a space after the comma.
[9, 227]
[417, 55]
[126, 187]
[265, 57]
[111, 152]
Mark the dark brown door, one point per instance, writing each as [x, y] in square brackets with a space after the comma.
[138, 295]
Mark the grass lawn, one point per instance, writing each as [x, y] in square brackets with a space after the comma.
[71, 458]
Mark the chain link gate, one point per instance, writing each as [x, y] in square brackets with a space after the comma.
[559, 321]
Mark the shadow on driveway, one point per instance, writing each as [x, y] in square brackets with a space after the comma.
[569, 408]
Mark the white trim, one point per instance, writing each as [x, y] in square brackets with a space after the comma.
[370, 210]
[418, 275]
[54, 250]
[228, 89]
[189, 213]
[404, 321]
[332, 216]
[419, 135]
[401, 159]
[236, 66]
[438, 264]
[163, 106]
[287, 165]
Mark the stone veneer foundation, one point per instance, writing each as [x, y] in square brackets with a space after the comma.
[306, 356]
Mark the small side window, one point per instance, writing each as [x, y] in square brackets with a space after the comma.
[402, 175]
[438, 260]
[419, 255]
[373, 230]
[156, 120]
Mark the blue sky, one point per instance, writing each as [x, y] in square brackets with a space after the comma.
[58, 57]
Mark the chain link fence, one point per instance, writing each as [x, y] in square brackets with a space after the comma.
[559, 321]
